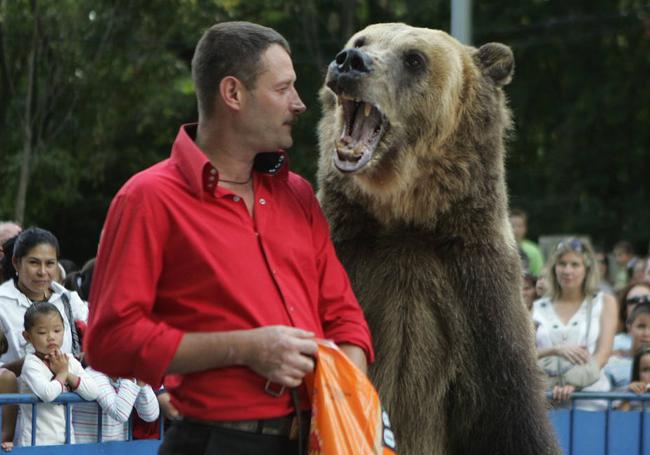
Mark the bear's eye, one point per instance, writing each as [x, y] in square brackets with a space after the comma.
[414, 60]
[360, 42]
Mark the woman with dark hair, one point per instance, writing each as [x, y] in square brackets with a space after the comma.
[576, 323]
[31, 275]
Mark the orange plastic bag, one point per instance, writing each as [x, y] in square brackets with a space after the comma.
[347, 417]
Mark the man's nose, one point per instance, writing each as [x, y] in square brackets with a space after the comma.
[298, 107]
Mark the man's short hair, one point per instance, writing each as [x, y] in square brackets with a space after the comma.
[230, 49]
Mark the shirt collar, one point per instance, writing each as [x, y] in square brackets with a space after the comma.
[202, 176]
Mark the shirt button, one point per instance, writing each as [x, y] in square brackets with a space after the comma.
[211, 178]
[262, 201]
[291, 309]
[213, 171]
[236, 198]
[210, 185]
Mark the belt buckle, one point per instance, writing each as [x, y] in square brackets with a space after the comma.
[268, 388]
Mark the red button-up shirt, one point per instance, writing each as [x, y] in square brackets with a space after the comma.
[180, 254]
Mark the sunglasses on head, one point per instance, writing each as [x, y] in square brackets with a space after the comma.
[572, 244]
[639, 299]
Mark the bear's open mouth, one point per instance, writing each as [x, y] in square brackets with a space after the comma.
[363, 128]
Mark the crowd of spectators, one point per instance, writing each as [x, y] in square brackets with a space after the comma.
[591, 314]
[43, 315]
[591, 320]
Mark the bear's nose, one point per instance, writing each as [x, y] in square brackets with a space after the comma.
[353, 60]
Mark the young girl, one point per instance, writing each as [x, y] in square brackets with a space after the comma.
[619, 365]
[640, 377]
[117, 398]
[47, 373]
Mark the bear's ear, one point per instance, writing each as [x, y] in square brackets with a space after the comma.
[496, 62]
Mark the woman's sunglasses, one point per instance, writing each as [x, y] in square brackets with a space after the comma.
[639, 299]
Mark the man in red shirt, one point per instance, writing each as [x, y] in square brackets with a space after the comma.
[216, 264]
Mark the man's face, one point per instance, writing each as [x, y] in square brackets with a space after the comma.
[273, 105]
[518, 227]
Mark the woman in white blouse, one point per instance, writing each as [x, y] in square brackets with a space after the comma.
[576, 323]
[32, 269]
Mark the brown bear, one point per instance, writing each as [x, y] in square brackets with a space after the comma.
[411, 178]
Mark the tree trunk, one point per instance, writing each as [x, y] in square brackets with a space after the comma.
[28, 136]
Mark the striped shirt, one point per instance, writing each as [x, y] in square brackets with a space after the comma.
[117, 398]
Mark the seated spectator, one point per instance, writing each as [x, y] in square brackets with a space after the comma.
[640, 378]
[541, 285]
[7, 385]
[625, 260]
[576, 324]
[519, 222]
[32, 267]
[117, 398]
[619, 366]
[145, 425]
[528, 293]
[80, 280]
[630, 296]
[47, 373]
[637, 272]
[603, 270]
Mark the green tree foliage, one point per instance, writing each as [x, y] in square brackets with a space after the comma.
[111, 85]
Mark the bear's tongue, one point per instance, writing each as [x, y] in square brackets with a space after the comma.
[361, 126]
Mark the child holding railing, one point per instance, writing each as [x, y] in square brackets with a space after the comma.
[47, 373]
[117, 398]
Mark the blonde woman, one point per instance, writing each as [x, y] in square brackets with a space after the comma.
[576, 324]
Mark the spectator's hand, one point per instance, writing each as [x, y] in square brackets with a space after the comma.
[167, 407]
[58, 362]
[577, 355]
[7, 446]
[638, 387]
[282, 354]
[562, 393]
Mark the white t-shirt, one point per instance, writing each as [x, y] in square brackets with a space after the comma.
[37, 378]
[14, 304]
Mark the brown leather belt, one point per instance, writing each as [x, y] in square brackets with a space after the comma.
[280, 426]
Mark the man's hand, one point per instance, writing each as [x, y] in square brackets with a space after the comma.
[282, 354]
[167, 407]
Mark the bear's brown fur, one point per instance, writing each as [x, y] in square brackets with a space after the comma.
[411, 179]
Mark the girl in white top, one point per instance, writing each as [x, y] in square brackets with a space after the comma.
[47, 373]
[33, 266]
[567, 326]
[117, 398]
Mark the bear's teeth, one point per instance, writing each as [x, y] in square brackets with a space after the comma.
[367, 109]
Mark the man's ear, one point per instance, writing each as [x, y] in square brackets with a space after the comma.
[230, 90]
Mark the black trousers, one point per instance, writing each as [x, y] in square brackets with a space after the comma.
[189, 438]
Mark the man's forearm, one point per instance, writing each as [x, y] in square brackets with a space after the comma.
[356, 355]
[201, 351]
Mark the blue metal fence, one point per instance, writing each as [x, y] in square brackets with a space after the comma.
[607, 432]
[139, 447]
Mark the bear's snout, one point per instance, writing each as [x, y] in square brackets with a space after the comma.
[349, 66]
